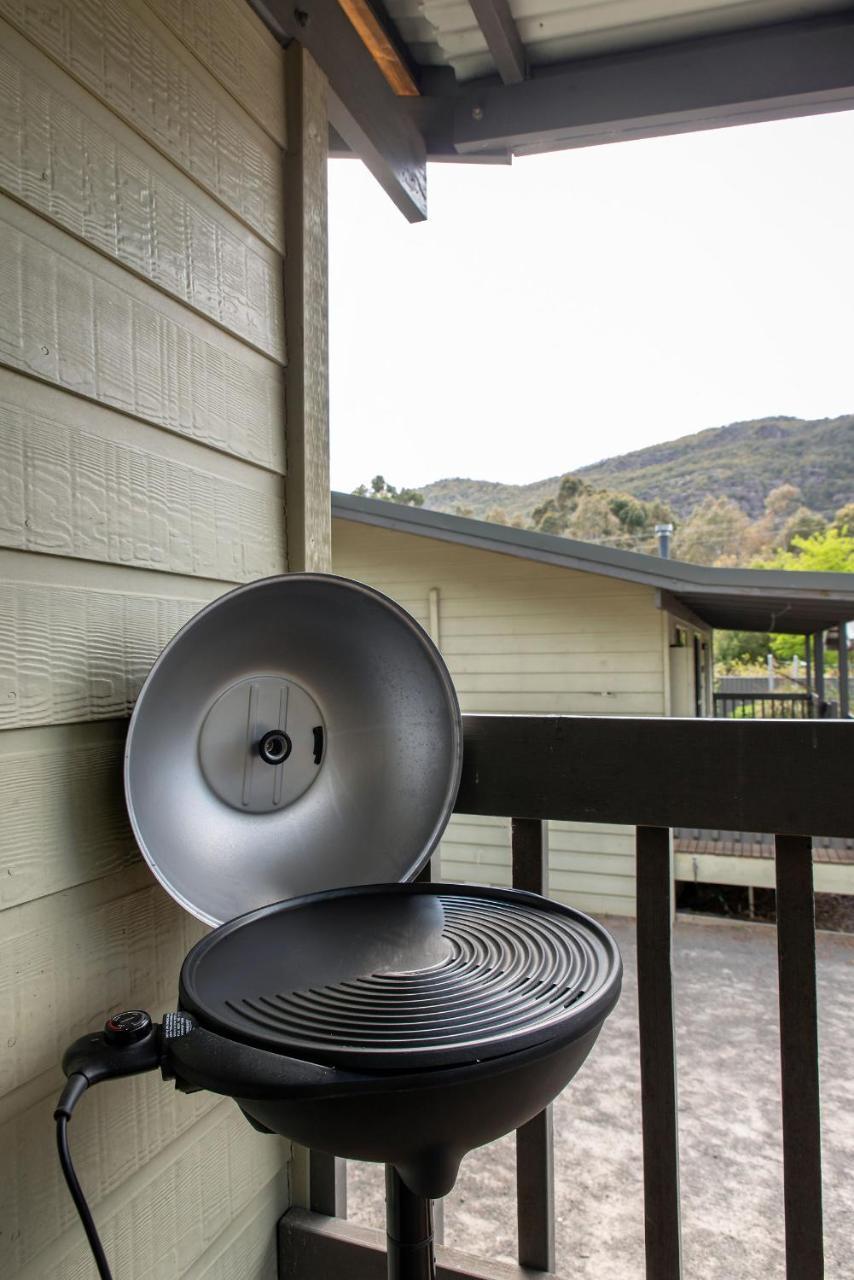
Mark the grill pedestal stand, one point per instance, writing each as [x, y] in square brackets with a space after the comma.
[409, 1231]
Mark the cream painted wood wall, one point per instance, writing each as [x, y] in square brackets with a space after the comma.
[522, 637]
[142, 451]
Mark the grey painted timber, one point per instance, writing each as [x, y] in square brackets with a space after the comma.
[363, 109]
[799, 1059]
[658, 1055]
[502, 37]
[312, 1246]
[786, 777]
[535, 1192]
[764, 73]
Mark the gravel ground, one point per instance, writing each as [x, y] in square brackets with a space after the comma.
[729, 1116]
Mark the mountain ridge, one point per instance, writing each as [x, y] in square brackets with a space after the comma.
[741, 460]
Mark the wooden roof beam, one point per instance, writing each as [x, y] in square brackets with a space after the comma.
[502, 38]
[387, 52]
[764, 73]
[363, 108]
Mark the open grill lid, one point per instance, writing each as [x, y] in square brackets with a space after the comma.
[299, 734]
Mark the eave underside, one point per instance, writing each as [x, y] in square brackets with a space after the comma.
[622, 81]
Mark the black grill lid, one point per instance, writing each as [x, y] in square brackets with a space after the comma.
[404, 976]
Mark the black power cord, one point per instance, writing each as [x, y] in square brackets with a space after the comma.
[75, 1087]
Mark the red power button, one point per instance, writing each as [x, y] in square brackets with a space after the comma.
[127, 1027]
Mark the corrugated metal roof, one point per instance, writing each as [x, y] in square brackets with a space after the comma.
[445, 32]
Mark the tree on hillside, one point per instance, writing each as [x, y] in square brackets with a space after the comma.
[380, 488]
[803, 523]
[554, 515]
[594, 521]
[497, 515]
[714, 533]
[830, 551]
[785, 518]
[843, 520]
[577, 510]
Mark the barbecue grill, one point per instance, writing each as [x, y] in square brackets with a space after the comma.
[292, 761]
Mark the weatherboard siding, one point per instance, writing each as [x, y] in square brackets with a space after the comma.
[142, 459]
[526, 638]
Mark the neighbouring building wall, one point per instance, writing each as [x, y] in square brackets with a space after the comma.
[689, 656]
[523, 637]
[142, 450]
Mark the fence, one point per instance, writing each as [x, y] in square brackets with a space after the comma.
[784, 777]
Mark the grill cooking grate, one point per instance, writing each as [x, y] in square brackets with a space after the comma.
[509, 969]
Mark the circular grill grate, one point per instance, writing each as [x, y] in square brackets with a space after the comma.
[510, 970]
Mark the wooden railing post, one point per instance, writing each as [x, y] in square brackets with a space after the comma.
[799, 1058]
[657, 1055]
[427, 875]
[535, 1140]
[327, 1184]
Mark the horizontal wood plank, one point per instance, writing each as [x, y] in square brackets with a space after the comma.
[237, 49]
[246, 1249]
[588, 683]
[93, 495]
[513, 662]
[784, 776]
[62, 811]
[119, 50]
[180, 1208]
[67, 961]
[70, 316]
[598, 622]
[150, 1117]
[585, 645]
[564, 704]
[710, 868]
[67, 158]
[70, 654]
[311, 1245]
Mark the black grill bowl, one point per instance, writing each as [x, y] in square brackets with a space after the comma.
[438, 1016]
[424, 1124]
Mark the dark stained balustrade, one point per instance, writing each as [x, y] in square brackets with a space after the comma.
[790, 778]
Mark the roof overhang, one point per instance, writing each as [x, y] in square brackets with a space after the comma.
[779, 69]
[775, 600]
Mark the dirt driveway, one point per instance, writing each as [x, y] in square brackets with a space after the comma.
[729, 1116]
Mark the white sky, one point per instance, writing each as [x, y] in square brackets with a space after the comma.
[581, 304]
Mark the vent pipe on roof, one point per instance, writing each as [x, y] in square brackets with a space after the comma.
[664, 533]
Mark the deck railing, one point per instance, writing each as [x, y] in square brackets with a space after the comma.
[771, 706]
[790, 778]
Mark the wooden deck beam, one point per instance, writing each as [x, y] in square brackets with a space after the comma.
[765, 73]
[783, 776]
[502, 38]
[312, 1246]
[363, 109]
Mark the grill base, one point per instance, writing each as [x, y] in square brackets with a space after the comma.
[424, 1124]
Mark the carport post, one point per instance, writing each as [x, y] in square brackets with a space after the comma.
[818, 651]
[844, 701]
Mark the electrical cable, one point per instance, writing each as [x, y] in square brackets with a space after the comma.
[75, 1087]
